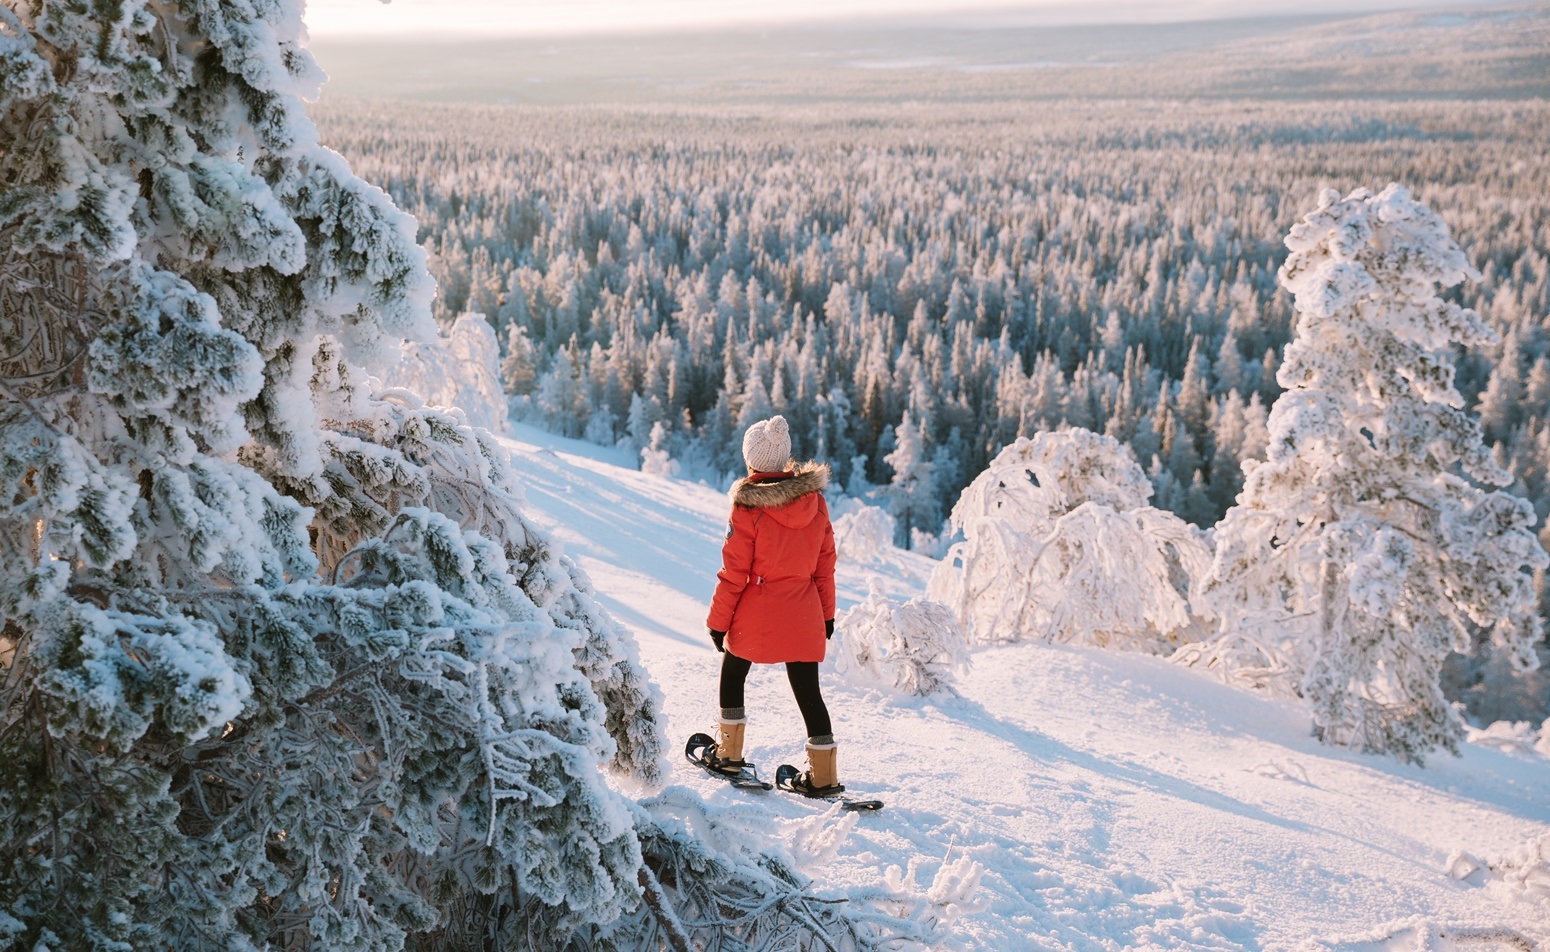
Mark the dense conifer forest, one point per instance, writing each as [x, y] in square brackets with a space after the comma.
[985, 271]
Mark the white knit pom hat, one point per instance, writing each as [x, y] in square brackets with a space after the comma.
[767, 445]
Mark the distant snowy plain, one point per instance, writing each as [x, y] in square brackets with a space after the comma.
[1115, 801]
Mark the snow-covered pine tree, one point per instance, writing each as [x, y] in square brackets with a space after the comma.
[1362, 549]
[654, 458]
[719, 884]
[600, 427]
[1059, 543]
[284, 665]
[519, 368]
[641, 422]
[912, 493]
[561, 398]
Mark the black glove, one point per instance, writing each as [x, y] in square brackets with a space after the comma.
[718, 638]
[828, 629]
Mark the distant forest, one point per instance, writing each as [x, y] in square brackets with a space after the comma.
[985, 271]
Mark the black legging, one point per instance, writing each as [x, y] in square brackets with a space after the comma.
[803, 676]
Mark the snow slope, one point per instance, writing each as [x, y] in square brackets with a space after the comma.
[1115, 801]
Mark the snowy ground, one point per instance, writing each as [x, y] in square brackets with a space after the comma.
[1115, 801]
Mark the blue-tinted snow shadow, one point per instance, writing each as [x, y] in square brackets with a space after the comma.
[638, 621]
[1514, 785]
[1042, 747]
[683, 555]
[1038, 746]
[1477, 775]
[1491, 778]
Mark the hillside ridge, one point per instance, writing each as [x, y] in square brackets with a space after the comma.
[1114, 800]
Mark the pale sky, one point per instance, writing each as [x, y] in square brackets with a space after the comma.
[331, 18]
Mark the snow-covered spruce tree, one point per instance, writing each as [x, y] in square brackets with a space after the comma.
[1361, 551]
[1059, 543]
[654, 458]
[519, 373]
[912, 493]
[282, 663]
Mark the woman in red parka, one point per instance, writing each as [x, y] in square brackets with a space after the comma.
[774, 598]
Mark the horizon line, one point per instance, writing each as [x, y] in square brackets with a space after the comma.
[981, 19]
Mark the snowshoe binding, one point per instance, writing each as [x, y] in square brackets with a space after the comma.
[701, 751]
[792, 780]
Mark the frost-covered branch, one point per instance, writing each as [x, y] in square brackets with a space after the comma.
[710, 885]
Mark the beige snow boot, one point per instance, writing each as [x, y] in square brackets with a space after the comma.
[822, 776]
[727, 754]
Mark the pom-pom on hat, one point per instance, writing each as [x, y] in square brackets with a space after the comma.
[767, 445]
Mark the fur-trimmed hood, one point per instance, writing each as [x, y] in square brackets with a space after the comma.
[772, 493]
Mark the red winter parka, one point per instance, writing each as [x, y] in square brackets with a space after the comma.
[776, 585]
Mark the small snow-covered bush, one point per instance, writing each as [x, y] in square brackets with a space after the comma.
[1509, 737]
[863, 534]
[816, 839]
[461, 370]
[953, 890]
[1526, 868]
[1060, 544]
[916, 647]
[932, 545]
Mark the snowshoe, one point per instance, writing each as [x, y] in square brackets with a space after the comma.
[698, 751]
[789, 779]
